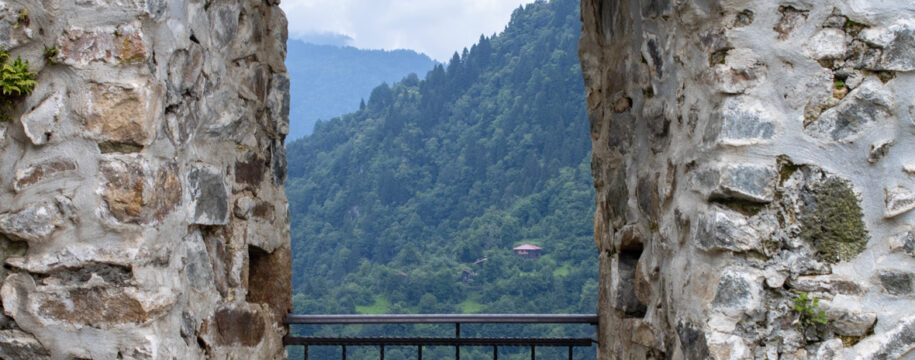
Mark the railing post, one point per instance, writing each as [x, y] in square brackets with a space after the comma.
[382, 352]
[420, 352]
[570, 353]
[344, 352]
[495, 353]
[306, 352]
[457, 335]
[533, 353]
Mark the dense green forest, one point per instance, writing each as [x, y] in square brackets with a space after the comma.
[413, 203]
[328, 80]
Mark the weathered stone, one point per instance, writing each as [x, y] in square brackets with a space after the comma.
[878, 150]
[693, 343]
[46, 170]
[642, 333]
[895, 343]
[909, 168]
[268, 278]
[18, 345]
[741, 182]
[904, 242]
[726, 230]
[789, 20]
[625, 299]
[723, 346]
[34, 223]
[825, 284]
[278, 102]
[41, 123]
[741, 123]
[238, 327]
[898, 44]
[124, 44]
[244, 207]
[846, 319]
[828, 43]
[740, 71]
[830, 349]
[738, 292]
[896, 282]
[134, 194]
[209, 196]
[865, 106]
[122, 113]
[899, 200]
[250, 171]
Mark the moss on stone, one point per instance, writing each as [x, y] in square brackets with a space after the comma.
[834, 224]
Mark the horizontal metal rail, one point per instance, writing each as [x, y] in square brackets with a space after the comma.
[433, 341]
[444, 319]
[457, 341]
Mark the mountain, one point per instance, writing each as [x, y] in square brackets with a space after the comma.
[329, 80]
[413, 203]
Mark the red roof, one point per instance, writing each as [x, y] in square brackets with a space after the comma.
[528, 247]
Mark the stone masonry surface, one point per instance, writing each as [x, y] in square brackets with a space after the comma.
[127, 179]
[748, 154]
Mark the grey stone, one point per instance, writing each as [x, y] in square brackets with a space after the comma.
[896, 282]
[898, 43]
[209, 196]
[904, 242]
[830, 349]
[879, 149]
[278, 102]
[244, 207]
[747, 182]
[863, 107]
[46, 170]
[828, 43]
[847, 319]
[892, 344]
[34, 223]
[825, 284]
[737, 292]
[725, 230]
[742, 123]
[693, 342]
[18, 345]
[625, 298]
[40, 124]
[899, 200]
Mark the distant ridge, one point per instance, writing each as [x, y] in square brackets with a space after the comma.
[328, 80]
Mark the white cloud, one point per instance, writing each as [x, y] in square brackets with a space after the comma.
[435, 27]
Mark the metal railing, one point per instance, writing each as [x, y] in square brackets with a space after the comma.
[457, 341]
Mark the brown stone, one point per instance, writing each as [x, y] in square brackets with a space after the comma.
[251, 171]
[128, 195]
[269, 279]
[36, 173]
[238, 327]
[122, 113]
[95, 307]
[123, 45]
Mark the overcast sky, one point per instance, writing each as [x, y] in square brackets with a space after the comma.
[437, 28]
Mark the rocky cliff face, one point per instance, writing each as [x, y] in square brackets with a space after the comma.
[142, 208]
[751, 156]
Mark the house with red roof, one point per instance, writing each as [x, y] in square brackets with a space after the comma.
[528, 251]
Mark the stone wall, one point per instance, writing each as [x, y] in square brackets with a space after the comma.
[142, 208]
[749, 154]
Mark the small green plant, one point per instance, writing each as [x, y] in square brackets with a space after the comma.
[22, 19]
[15, 81]
[840, 84]
[808, 308]
[50, 54]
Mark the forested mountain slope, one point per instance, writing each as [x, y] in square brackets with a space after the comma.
[413, 203]
[328, 80]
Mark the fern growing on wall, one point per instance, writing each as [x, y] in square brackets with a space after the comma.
[15, 81]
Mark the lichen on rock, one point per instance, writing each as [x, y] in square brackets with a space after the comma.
[833, 222]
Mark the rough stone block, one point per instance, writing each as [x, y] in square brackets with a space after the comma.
[891, 344]
[899, 200]
[34, 223]
[754, 183]
[738, 293]
[46, 170]
[827, 44]
[897, 42]
[825, 284]
[124, 44]
[846, 318]
[133, 193]
[741, 122]
[209, 196]
[722, 229]
[18, 345]
[125, 113]
[878, 150]
[865, 106]
[897, 282]
[41, 123]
